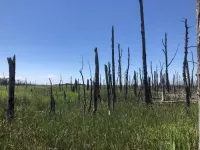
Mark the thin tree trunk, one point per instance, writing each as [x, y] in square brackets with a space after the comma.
[120, 67]
[113, 67]
[126, 90]
[108, 89]
[11, 91]
[52, 103]
[96, 81]
[146, 90]
[186, 75]
[84, 108]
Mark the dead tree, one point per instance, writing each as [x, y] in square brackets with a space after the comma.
[174, 80]
[88, 84]
[71, 84]
[156, 81]
[113, 67]
[11, 91]
[65, 96]
[96, 81]
[141, 80]
[100, 83]
[120, 67]
[135, 83]
[108, 88]
[84, 98]
[60, 86]
[91, 89]
[152, 79]
[198, 58]
[149, 83]
[126, 79]
[192, 75]
[186, 75]
[79, 90]
[145, 82]
[52, 103]
[110, 76]
[165, 51]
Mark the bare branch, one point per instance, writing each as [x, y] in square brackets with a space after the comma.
[193, 62]
[192, 46]
[174, 56]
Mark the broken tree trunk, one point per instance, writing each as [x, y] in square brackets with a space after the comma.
[11, 91]
[96, 81]
[52, 103]
[108, 89]
[90, 104]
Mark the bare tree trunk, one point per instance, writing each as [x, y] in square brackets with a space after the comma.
[65, 96]
[91, 88]
[88, 84]
[126, 90]
[11, 91]
[108, 88]
[149, 83]
[71, 84]
[120, 67]
[152, 79]
[146, 90]
[96, 81]
[198, 56]
[186, 75]
[166, 61]
[113, 67]
[135, 84]
[84, 107]
[141, 80]
[192, 78]
[90, 105]
[52, 103]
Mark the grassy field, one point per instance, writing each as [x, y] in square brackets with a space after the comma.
[133, 125]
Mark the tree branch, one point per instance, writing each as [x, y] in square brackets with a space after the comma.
[174, 56]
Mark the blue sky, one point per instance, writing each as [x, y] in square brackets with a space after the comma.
[49, 37]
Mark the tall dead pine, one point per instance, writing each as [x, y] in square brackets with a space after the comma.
[145, 82]
[126, 74]
[165, 51]
[96, 81]
[120, 67]
[11, 91]
[135, 83]
[108, 88]
[186, 74]
[113, 67]
[84, 108]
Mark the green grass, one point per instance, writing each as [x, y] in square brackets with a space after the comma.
[131, 126]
